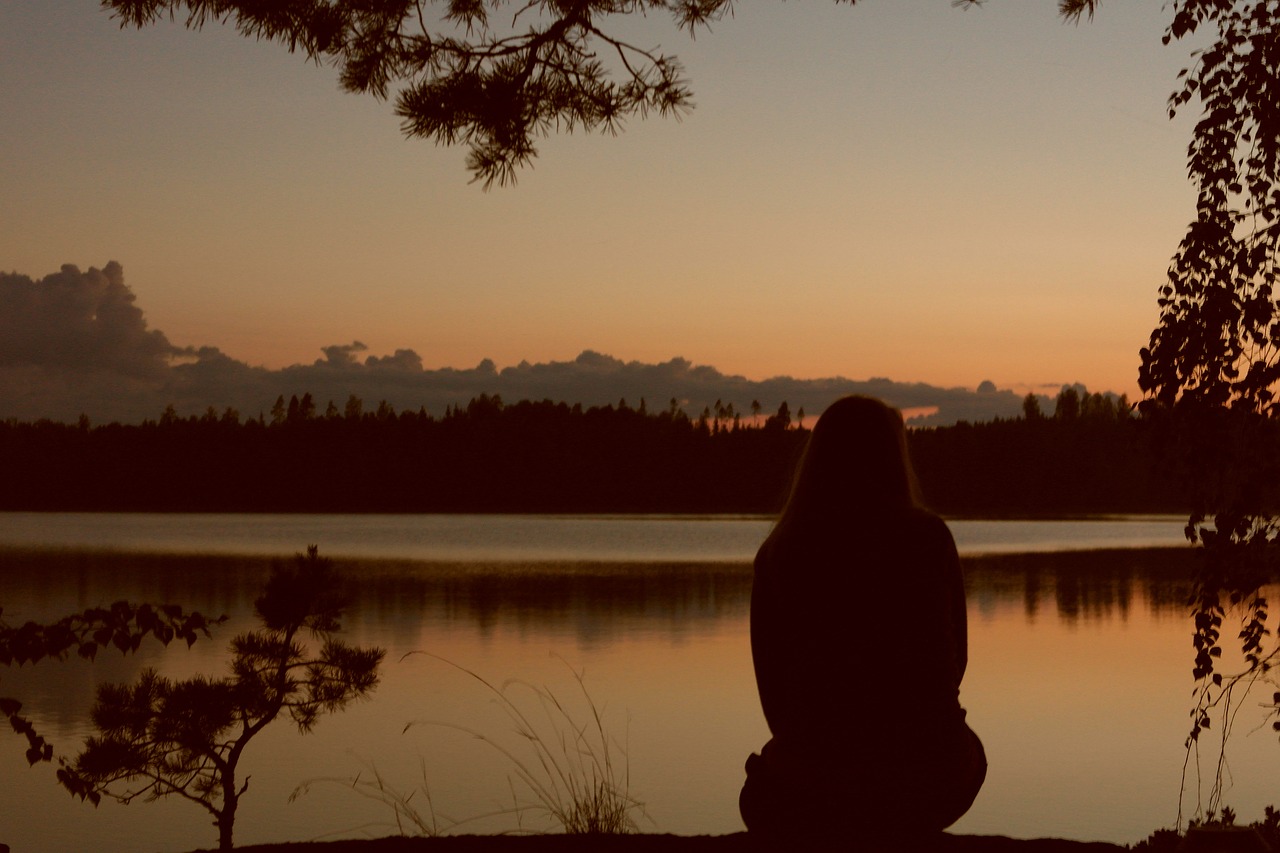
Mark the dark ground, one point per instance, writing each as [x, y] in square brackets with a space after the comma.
[677, 844]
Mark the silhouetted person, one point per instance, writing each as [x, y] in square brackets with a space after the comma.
[859, 639]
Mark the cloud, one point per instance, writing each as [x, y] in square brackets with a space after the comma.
[76, 342]
[78, 320]
[341, 355]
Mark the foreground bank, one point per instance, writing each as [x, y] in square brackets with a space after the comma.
[945, 843]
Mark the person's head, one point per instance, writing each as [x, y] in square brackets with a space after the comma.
[855, 463]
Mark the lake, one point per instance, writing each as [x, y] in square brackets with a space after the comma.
[524, 538]
[1078, 684]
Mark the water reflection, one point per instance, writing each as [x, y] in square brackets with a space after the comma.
[591, 604]
[1077, 683]
[590, 597]
[1081, 586]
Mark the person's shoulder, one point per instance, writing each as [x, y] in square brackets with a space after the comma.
[796, 546]
[764, 554]
[770, 552]
[922, 518]
[928, 526]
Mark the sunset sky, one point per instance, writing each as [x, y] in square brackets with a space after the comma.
[899, 189]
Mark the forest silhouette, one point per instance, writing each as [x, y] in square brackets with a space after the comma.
[1090, 455]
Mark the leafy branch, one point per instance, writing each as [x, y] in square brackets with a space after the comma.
[463, 73]
[122, 626]
[487, 74]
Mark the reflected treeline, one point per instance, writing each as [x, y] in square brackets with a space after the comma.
[588, 604]
[1083, 585]
[392, 603]
[397, 595]
[44, 585]
[1090, 456]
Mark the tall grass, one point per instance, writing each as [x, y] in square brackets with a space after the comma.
[576, 773]
[569, 768]
[410, 819]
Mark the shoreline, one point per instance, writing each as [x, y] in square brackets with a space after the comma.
[642, 843]
[504, 565]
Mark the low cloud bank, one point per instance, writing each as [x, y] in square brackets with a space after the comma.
[74, 343]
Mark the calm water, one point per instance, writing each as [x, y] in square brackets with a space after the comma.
[1078, 681]
[524, 538]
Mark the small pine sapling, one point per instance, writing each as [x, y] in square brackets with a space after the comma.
[159, 738]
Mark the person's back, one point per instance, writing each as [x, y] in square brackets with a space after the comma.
[840, 619]
[859, 643]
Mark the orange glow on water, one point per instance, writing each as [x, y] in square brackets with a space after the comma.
[1078, 684]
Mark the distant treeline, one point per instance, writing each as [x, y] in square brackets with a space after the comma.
[1089, 456]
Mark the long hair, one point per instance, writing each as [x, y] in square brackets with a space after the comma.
[855, 464]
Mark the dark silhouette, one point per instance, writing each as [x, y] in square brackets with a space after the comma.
[122, 625]
[495, 456]
[471, 72]
[160, 738]
[861, 696]
[1212, 362]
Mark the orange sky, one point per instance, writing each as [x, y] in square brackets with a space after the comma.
[897, 189]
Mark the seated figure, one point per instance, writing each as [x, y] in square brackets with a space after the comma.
[859, 640]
